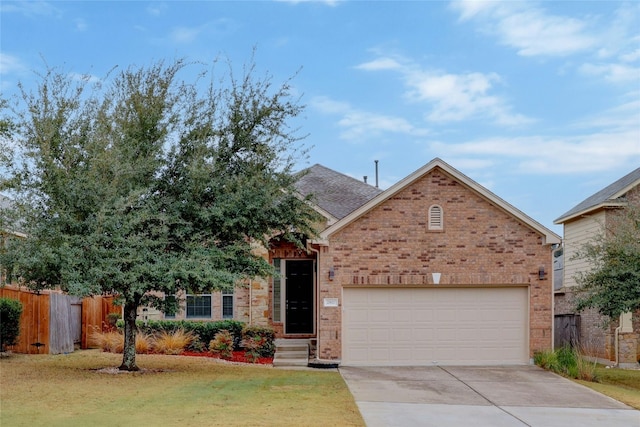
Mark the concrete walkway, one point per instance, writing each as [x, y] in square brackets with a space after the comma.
[480, 396]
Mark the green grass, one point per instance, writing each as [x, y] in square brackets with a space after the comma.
[69, 390]
[620, 384]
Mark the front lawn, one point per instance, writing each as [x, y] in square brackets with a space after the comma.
[74, 390]
[621, 384]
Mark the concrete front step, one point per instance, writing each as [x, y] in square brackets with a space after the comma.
[294, 352]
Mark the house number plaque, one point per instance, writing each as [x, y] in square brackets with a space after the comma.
[331, 302]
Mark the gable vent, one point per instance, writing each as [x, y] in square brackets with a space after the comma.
[435, 218]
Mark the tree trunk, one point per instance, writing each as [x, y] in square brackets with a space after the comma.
[129, 352]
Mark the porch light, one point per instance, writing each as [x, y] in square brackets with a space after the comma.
[541, 273]
[332, 273]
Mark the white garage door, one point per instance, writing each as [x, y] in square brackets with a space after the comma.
[448, 326]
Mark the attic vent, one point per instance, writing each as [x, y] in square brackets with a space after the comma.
[435, 217]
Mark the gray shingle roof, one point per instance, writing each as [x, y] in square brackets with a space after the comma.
[604, 196]
[336, 193]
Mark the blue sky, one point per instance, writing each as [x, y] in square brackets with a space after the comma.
[537, 101]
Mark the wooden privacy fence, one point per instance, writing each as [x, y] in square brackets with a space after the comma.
[567, 330]
[53, 322]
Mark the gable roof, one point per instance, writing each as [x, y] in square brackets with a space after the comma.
[610, 196]
[335, 194]
[550, 236]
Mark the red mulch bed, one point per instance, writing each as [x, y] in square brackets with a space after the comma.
[238, 356]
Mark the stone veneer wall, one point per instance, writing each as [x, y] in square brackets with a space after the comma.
[481, 245]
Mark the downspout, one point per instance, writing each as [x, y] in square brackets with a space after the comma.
[250, 303]
[617, 342]
[560, 246]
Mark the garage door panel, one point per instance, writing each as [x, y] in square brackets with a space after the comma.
[411, 326]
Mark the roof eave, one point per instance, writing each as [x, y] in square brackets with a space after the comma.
[587, 211]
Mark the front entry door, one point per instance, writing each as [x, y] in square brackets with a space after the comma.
[299, 297]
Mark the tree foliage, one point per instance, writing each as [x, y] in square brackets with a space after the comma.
[141, 186]
[10, 311]
[612, 285]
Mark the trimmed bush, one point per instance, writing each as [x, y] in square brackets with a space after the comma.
[259, 340]
[222, 343]
[10, 311]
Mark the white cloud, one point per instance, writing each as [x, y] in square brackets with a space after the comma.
[10, 64]
[451, 97]
[359, 125]
[89, 78]
[528, 28]
[30, 8]
[186, 35]
[620, 118]
[181, 35]
[81, 24]
[632, 56]
[614, 73]
[156, 9]
[331, 3]
[551, 155]
[380, 64]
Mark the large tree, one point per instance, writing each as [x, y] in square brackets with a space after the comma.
[612, 285]
[143, 185]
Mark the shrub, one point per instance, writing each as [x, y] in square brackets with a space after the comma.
[173, 342]
[203, 331]
[252, 347]
[546, 359]
[196, 345]
[10, 311]
[111, 341]
[259, 339]
[144, 343]
[586, 370]
[222, 344]
[567, 361]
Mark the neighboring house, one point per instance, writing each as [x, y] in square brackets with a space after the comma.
[7, 228]
[434, 270]
[581, 224]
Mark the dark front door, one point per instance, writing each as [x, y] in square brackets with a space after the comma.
[299, 297]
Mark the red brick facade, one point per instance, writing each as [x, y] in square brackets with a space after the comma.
[481, 244]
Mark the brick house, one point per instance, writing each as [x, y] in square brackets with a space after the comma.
[434, 270]
[580, 224]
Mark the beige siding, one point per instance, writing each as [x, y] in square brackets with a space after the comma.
[576, 234]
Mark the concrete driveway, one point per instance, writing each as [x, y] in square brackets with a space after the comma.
[480, 396]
